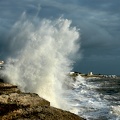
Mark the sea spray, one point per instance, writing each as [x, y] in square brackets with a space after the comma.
[41, 57]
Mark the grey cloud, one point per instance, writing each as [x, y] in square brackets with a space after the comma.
[98, 21]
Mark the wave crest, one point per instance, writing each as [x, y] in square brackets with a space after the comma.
[41, 56]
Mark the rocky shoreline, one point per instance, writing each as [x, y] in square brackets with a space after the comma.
[16, 105]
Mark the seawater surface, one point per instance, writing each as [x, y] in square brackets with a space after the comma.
[95, 99]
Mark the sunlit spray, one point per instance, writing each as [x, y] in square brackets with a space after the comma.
[42, 53]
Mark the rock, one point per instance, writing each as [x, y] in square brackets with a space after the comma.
[23, 99]
[6, 88]
[39, 113]
[1, 80]
[16, 105]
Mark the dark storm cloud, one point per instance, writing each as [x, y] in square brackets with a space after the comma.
[98, 21]
[100, 33]
[10, 12]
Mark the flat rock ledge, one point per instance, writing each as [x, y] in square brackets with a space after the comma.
[16, 105]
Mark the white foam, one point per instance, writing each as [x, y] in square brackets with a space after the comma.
[116, 110]
[85, 101]
[42, 53]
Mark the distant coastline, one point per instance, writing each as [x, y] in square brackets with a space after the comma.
[91, 75]
[75, 74]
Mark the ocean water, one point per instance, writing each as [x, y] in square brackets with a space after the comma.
[95, 99]
[42, 53]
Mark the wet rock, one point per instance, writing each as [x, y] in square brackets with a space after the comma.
[39, 113]
[16, 105]
[6, 88]
[24, 99]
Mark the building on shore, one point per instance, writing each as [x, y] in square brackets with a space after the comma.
[1, 62]
[1, 65]
[90, 73]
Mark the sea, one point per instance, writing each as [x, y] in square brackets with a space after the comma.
[95, 98]
[41, 53]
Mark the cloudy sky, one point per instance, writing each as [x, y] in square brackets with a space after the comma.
[98, 20]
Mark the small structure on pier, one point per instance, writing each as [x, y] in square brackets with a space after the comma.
[90, 73]
[1, 62]
[1, 65]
